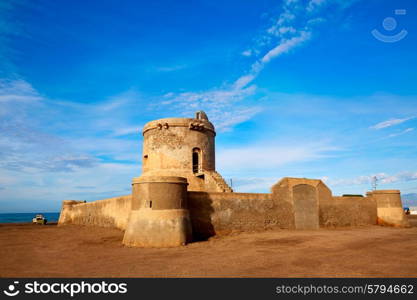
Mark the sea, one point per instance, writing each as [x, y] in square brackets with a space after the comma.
[27, 217]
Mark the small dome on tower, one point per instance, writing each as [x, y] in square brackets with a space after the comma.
[201, 115]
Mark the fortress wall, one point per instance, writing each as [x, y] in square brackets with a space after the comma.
[390, 209]
[111, 212]
[210, 213]
[222, 213]
[348, 211]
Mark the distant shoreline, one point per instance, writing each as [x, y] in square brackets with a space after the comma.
[25, 218]
[27, 223]
[35, 213]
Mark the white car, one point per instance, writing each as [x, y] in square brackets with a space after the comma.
[39, 219]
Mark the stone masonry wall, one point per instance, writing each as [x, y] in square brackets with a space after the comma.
[347, 211]
[111, 212]
[223, 213]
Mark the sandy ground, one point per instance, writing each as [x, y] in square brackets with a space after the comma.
[77, 251]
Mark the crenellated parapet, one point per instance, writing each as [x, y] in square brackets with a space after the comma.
[189, 123]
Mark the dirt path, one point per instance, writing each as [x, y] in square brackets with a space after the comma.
[78, 251]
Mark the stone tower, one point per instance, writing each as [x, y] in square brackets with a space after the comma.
[183, 147]
[178, 156]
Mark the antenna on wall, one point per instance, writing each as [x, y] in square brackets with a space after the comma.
[374, 182]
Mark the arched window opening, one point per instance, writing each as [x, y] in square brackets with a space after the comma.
[197, 168]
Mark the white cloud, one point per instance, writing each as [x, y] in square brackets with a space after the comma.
[48, 155]
[253, 184]
[382, 178]
[315, 4]
[289, 29]
[315, 21]
[223, 101]
[243, 81]
[35, 141]
[390, 123]
[171, 68]
[281, 30]
[286, 46]
[117, 102]
[400, 133]
[247, 53]
[285, 17]
[127, 130]
[225, 120]
[289, 2]
[17, 91]
[267, 157]
[221, 105]
[46, 190]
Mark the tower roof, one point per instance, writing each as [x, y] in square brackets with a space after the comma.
[200, 122]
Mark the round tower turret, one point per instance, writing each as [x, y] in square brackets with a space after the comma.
[180, 147]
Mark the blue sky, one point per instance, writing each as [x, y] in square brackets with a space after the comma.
[294, 88]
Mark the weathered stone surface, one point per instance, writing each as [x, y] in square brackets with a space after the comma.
[306, 207]
[348, 211]
[222, 213]
[159, 216]
[169, 146]
[298, 199]
[111, 212]
[389, 208]
[158, 228]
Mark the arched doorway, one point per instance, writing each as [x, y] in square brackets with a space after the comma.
[306, 209]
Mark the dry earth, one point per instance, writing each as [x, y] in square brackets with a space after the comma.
[77, 251]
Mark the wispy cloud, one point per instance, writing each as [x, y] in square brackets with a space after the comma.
[286, 46]
[46, 190]
[315, 4]
[127, 130]
[171, 68]
[267, 157]
[28, 144]
[17, 91]
[389, 123]
[382, 178]
[247, 53]
[220, 104]
[253, 184]
[400, 133]
[118, 101]
[290, 29]
[281, 37]
[23, 148]
[79, 141]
